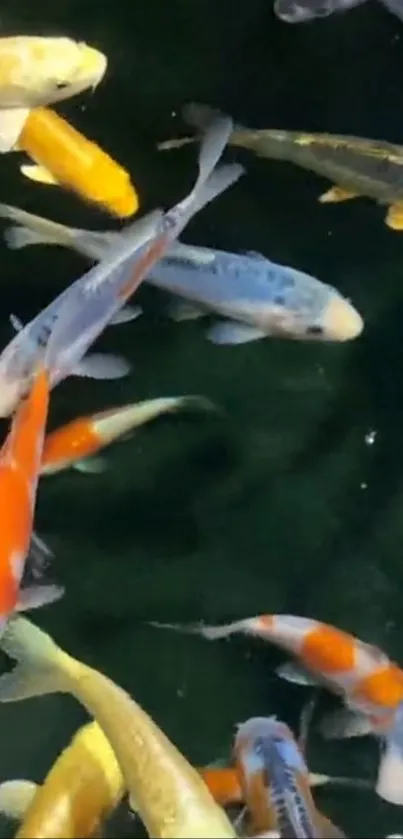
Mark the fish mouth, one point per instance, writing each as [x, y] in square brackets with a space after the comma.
[341, 321]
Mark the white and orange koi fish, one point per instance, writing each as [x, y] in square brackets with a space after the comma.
[370, 684]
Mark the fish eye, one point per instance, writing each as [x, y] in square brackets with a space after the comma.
[61, 84]
[315, 329]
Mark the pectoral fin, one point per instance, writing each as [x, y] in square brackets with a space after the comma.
[90, 465]
[11, 124]
[394, 217]
[231, 332]
[337, 194]
[180, 310]
[16, 797]
[99, 366]
[37, 596]
[296, 674]
[38, 174]
[389, 784]
[126, 315]
[345, 723]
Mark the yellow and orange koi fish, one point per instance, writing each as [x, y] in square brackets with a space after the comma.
[74, 444]
[370, 684]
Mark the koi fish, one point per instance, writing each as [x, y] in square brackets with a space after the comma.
[258, 297]
[38, 71]
[169, 794]
[225, 782]
[74, 444]
[357, 167]
[95, 300]
[370, 684]
[64, 157]
[20, 462]
[83, 787]
[275, 782]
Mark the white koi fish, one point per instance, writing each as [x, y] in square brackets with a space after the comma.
[369, 682]
[258, 298]
[96, 299]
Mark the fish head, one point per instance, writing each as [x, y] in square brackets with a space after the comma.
[339, 321]
[41, 71]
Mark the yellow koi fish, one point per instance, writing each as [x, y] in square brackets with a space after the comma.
[167, 792]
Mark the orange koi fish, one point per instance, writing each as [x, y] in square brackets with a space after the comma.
[64, 157]
[74, 444]
[370, 684]
[275, 782]
[20, 461]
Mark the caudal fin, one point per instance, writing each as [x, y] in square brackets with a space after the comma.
[200, 116]
[210, 632]
[37, 671]
[34, 230]
[211, 181]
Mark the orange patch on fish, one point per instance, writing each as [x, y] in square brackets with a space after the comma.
[257, 796]
[327, 650]
[224, 785]
[384, 687]
[32, 412]
[266, 621]
[76, 440]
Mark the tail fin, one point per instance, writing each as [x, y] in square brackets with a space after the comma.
[34, 230]
[219, 180]
[16, 797]
[17, 238]
[211, 181]
[210, 632]
[37, 672]
[200, 116]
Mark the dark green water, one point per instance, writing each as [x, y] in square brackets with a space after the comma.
[279, 505]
